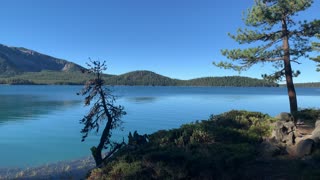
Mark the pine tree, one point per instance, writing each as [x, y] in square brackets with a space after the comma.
[277, 38]
[102, 113]
[316, 47]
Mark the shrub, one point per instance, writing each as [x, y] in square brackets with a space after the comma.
[308, 116]
[217, 148]
[256, 123]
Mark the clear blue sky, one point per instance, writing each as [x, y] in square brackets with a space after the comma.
[176, 38]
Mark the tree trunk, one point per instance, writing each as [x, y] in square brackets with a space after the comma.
[97, 151]
[97, 155]
[287, 68]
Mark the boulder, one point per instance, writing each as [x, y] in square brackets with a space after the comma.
[304, 147]
[285, 117]
[284, 129]
[284, 132]
[315, 135]
[317, 124]
[269, 148]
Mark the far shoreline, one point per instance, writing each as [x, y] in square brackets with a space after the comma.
[299, 85]
[71, 84]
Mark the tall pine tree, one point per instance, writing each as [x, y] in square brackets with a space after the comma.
[278, 38]
[316, 47]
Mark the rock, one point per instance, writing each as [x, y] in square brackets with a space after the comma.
[317, 124]
[299, 122]
[285, 117]
[315, 135]
[137, 139]
[305, 147]
[269, 148]
[284, 132]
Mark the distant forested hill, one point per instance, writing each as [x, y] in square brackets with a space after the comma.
[148, 78]
[237, 81]
[135, 78]
[142, 78]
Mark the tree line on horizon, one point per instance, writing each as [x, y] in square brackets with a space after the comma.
[136, 78]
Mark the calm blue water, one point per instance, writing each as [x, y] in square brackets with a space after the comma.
[40, 124]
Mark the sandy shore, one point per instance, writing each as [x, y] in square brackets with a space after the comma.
[75, 169]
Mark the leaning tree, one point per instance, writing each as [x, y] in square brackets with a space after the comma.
[276, 37]
[103, 112]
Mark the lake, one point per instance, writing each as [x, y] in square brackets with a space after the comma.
[40, 124]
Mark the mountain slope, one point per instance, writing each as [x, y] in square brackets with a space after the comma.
[14, 60]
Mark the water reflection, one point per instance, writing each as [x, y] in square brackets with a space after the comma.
[21, 107]
[143, 99]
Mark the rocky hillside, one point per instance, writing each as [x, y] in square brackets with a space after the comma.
[15, 60]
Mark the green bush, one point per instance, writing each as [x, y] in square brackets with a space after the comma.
[308, 116]
[125, 170]
[255, 123]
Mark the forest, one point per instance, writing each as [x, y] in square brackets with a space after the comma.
[135, 78]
